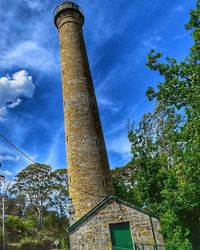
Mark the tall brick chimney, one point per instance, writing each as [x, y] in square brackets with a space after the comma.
[88, 167]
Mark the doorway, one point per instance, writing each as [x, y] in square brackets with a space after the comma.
[121, 236]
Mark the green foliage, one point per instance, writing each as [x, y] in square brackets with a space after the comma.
[26, 243]
[37, 209]
[166, 146]
[123, 179]
[63, 245]
[178, 236]
[41, 189]
[16, 226]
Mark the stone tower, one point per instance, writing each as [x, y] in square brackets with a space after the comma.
[88, 167]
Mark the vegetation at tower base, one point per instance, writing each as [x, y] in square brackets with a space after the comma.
[165, 167]
[36, 206]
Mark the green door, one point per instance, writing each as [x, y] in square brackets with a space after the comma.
[121, 236]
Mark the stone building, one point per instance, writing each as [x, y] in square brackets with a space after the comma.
[114, 222]
[98, 219]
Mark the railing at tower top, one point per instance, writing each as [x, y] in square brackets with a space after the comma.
[68, 5]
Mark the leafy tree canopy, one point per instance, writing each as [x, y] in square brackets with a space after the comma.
[37, 208]
[166, 145]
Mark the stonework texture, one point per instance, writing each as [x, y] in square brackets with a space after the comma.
[94, 232]
[88, 167]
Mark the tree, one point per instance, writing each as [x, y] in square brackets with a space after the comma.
[124, 181]
[59, 197]
[42, 189]
[166, 145]
[34, 183]
[37, 208]
[180, 90]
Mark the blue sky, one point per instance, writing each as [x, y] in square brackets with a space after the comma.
[118, 35]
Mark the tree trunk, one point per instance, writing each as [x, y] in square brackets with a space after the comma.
[194, 227]
[40, 218]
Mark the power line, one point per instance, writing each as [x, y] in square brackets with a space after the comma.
[101, 196]
[30, 159]
[17, 148]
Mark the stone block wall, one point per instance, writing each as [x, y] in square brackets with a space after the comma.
[94, 233]
[88, 168]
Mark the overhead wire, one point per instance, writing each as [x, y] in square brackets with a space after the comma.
[17, 148]
[30, 159]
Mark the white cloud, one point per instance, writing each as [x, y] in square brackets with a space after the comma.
[3, 112]
[52, 158]
[109, 104]
[14, 103]
[35, 4]
[105, 25]
[121, 125]
[152, 41]
[179, 8]
[104, 98]
[120, 145]
[12, 88]
[7, 157]
[28, 54]
[8, 173]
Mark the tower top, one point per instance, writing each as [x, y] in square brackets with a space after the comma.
[66, 6]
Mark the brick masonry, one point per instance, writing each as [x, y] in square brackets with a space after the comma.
[94, 233]
[88, 166]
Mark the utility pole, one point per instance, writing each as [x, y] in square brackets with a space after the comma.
[3, 223]
[2, 178]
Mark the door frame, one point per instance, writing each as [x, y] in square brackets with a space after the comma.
[122, 222]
